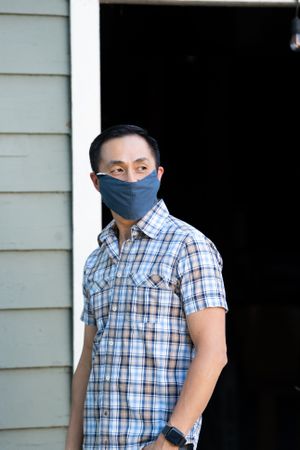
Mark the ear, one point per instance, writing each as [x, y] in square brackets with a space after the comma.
[160, 172]
[95, 180]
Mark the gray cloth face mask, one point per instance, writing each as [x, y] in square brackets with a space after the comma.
[131, 200]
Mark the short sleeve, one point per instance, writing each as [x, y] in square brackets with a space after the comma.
[87, 315]
[200, 275]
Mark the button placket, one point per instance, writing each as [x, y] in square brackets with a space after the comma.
[110, 342]
[115, 309]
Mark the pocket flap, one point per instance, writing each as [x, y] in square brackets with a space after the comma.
[157, 276]
[139, 277]
[98, 286]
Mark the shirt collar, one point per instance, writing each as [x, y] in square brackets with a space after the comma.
[109, 231]
[150, 224]
[153, 220]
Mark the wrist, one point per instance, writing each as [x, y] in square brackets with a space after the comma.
[164, 444]
[173, 435]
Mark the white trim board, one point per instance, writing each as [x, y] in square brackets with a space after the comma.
[86, 117]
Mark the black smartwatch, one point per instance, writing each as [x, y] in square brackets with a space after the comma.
[173, 435]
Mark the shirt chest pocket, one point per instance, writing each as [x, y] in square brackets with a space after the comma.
[100, 299]
[154, 279]
[154, 297]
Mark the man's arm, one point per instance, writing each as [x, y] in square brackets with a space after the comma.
[79, 386]
[207, 330]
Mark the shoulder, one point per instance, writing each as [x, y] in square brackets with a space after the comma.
[97, 254]
[92, 259]
[192, 241]
[187, 233]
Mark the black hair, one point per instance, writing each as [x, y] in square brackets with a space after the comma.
[119, 131]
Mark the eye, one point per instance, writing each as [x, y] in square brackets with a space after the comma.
[142, 168]
[117, 171]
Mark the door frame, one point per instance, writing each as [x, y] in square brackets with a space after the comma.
[86, 124]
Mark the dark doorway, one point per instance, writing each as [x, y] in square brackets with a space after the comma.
[218, 88]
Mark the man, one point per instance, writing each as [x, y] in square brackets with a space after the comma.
[154, 311]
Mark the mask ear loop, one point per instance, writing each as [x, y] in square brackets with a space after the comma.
[101, 173]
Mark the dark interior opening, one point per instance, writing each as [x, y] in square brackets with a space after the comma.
[218, 89]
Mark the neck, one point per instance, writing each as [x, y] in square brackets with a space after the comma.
[124, 227]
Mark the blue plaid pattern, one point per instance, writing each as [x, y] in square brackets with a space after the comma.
[139, 298]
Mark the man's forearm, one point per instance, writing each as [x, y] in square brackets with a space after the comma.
[197, 390]
[199, 385]
[79, 386]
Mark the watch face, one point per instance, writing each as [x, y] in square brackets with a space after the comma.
[174, 437]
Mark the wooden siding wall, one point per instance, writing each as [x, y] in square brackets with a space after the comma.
[35, 224]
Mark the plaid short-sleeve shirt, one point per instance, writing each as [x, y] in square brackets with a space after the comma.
[139, 297]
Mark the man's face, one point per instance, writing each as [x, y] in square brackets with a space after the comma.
[128, 158]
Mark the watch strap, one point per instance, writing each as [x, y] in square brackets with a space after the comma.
[174, 435]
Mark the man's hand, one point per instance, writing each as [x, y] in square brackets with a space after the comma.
[161, 444]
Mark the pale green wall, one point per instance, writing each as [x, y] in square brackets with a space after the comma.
[35, 224]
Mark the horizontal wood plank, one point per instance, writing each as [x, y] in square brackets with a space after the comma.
[34, 45]
[35, 397]
[34, 104]
[43, 439]
[203, 2]
[56, 7]
[38, 279]
[35, 163]
[35, 338]
[35, 221]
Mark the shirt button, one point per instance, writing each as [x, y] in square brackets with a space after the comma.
[119, 274]
[107, 377]
[114, 308]
[105, 413]
[111, 343]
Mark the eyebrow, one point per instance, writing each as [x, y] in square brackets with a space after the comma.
[119, 161]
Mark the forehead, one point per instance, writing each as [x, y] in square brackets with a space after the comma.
[126, 148]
